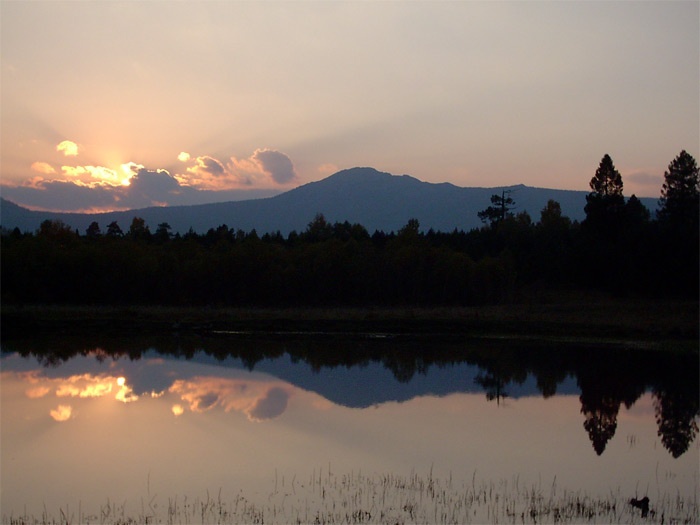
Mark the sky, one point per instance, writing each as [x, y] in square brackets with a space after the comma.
[124, 104]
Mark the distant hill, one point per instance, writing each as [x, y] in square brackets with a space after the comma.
[377, 200]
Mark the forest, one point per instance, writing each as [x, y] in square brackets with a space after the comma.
[619, 248]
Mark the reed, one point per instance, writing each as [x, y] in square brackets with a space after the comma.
[329, 498]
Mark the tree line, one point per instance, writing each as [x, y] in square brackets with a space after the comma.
[619, 248]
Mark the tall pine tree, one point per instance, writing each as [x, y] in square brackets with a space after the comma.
[605, 203]
[680, 194]
[678, 218]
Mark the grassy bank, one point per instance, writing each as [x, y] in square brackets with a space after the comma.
[589, 319]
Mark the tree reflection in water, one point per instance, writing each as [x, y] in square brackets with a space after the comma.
[607, 376]
[603, 389]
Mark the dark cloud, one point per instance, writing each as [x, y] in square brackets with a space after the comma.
[59, 195]
[206, 401]
[149, 190]
[272, 405]
[276, 164]
[209, 166]
[151, 187]
[208, 181]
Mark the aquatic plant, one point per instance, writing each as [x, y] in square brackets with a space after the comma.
[356, 498]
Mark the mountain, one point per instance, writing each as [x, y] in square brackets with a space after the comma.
[378, 201]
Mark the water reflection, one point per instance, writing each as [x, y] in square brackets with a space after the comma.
[259, 401]
[200, 414]
[605, 378]
[80, 386]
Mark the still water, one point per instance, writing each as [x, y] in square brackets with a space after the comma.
[137, 421]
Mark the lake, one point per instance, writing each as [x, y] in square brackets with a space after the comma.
[295, 427]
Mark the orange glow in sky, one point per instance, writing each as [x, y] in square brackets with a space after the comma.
[274, 95]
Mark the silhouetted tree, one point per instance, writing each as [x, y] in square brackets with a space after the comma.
[552, 245]
[163, 232]
[680, 194]
[607, 380]
[551, 217]
[675, 413]
[113, 230]
[318, 229]
[55, 229]
[679, 226]
[500, 209]
[601, 422]
[493, 384]
[410, 231]
[601, 261]
[139, 230]
[93, 231]
[636, 215]
[605, 203]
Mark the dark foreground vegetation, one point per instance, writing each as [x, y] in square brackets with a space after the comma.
[618, 249]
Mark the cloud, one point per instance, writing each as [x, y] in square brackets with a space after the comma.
[209, 165]
[205, 179]
[47, 194]
[148, 188]
[272, 405]
[37, 392]
[205, 402]
[62, 413]
[209, 173]
[643, 178]
[278, 165]
[68, 148]
[85, 385]
[43, 167]
[93, 176]
[265, 167]
[259, 401]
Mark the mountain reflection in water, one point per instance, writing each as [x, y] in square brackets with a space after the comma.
[138, 420]
[361, 372]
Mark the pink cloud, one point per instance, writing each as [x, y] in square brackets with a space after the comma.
[265, 167]
[43, 167]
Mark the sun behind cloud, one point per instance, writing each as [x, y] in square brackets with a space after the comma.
[62, 181]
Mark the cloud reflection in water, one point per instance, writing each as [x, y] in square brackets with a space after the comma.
[82, 386]
[259, 400]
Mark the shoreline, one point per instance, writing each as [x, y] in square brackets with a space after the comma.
[598, 321]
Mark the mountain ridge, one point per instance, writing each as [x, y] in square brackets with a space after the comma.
[377, 200]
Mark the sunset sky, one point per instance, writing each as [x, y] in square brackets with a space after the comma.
[114, 105]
